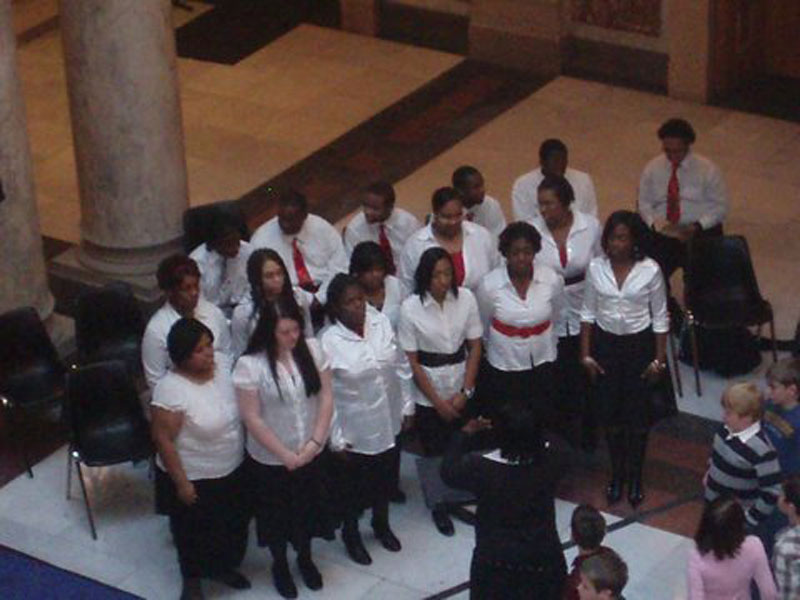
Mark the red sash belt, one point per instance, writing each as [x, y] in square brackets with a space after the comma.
[523, 332]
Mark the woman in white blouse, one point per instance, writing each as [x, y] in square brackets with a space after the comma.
[440, 331]
[371, 394]
[269, 282]
[472, 246]
[518, 302]
[570, 239]
[384, 292]
[283, 385]
[199, 439]
[624, 328]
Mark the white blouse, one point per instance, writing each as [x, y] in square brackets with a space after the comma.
[525, 193]
[479, 250]
[245, 319]
[394, 294]
[399, 226]
[155, 357]
[583, 244]
[428, 326]
[498, 299]
[210, 442]
[642, 300]
[223, 281]
[285, 407]
[371, 385]
[488, 214]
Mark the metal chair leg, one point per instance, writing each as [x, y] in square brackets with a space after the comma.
[674, 355]
[86, 499]
[69, 471]
[774, 342]
[695, 358]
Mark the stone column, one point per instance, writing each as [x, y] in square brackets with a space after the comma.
[23, 279]
[521, 34]
[125, 109]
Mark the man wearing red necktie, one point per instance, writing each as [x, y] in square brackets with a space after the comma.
[681, 196]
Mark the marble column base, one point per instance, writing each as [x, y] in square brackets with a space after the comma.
[126, 261]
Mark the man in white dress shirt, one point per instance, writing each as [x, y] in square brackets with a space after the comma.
[681, 196]
[310, 247]
[479, 208]
[381, 222]
[553, 157]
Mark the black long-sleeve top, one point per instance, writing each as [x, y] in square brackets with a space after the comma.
[516, 520]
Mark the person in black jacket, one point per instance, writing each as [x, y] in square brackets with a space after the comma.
[517, 550]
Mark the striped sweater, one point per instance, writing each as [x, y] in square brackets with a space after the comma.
[747, 471]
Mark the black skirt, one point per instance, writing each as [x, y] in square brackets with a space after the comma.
[363, 480]
[291, 506]
[623, 396]
[211, 534]
[497, 580]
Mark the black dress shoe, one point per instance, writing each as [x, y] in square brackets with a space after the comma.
[192, 590]
[355, 549]
[310, 574]
[233, 579]
[443, 522]
[388, 539]
[614, 491]
[398, 497]
[283, 580]
[464, 515]
[635, 493]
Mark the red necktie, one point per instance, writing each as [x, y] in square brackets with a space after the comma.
[386, 248]
[303, 276]
[562, 255]
[460, 270]
[674, 196]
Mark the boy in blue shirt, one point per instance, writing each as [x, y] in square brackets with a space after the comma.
[782, 417]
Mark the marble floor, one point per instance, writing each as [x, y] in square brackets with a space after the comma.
[248, 122]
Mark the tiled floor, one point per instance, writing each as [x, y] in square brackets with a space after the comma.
[247, 123]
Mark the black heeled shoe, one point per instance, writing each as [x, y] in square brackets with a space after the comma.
[635, 492]
[443, 522]
[309, 572]
[355, 548]
[233, 579]
[614, 490]
[283, 580]
[388, 539]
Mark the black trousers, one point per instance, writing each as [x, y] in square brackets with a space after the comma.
[497, 581]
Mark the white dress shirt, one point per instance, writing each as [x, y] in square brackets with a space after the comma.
[701, 187]
[583, 244]
[400, 225]
[525, 194]
[245, 319]
[285, 407]
[155, 357]
[319, 243]
[489, 214]
[393, 295]
[223, 281]
[442, 329]
[371, 385]
[479, 249]
[210, 442]
[641, 301]
[498, 299]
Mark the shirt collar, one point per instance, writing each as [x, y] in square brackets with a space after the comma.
[428, 300]
[506, 279]
[745, 434]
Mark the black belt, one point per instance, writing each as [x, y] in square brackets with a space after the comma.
[574, 279]
[436, 359]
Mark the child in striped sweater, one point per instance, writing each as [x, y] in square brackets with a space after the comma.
[744, 464]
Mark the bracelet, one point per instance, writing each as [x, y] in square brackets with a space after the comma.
[315, 442]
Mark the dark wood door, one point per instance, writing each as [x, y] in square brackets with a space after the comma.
[782, 38]
[737, 44]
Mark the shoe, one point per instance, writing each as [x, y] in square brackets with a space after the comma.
[398, 497]
[635, 493]
[192, 590]
[355, 549]
[464, 515]
[388, 539]
[283, 580]
[443, 522]
[614, 490]
[310, 574]
[233, 579]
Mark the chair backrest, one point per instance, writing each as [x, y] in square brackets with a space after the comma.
[26, 354]
[198, 219]
[106, 316]
[106, 418]
[720, 280]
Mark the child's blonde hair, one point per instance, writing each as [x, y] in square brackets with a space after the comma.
[744, 399]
